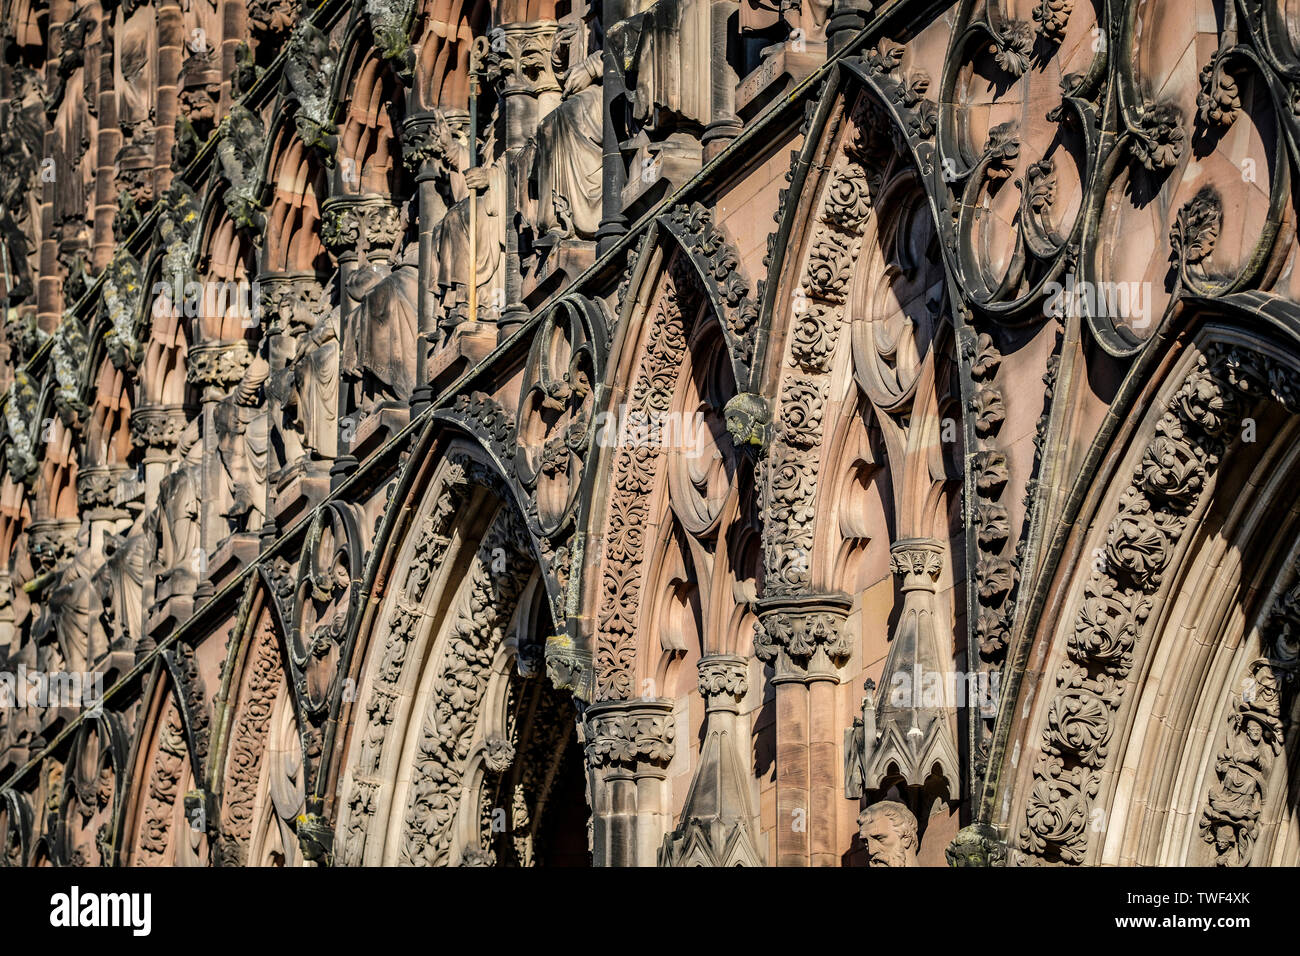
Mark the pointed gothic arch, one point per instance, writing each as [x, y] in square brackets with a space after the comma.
[1156, 735]
[256, 770]
[454, 612]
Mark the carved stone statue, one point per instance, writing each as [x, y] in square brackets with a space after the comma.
[239, 152]
[451, 244]
[241, 430]
[663, 52]
[119, 583]
[176, 531]
[379, 350]
[564, 158]
[72, 610]
[889, 830]
[315, 375]
[309, 70]
[75, 126]
[135, 68]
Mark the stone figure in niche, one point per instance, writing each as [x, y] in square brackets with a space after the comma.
[242, 450]
[119, 583]
[240, 151]
[200, 78]
[74, 124]
[176, 533]
[564, 158]
[664, 54]
[135, 68]
[379, 349]
[889, 830]
[20, 196]
[315, 384]
[72, 611]
[451, 239]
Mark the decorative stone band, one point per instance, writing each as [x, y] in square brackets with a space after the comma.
[1178, 462]
[803, 636]
[158, 426]
[359, 223]
[221, 363]
[724, 681]
[636, 735]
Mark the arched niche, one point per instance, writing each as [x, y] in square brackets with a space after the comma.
[298, 185]
[444, 33]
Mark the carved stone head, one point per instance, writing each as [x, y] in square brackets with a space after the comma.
[889, 830]
[976, 845]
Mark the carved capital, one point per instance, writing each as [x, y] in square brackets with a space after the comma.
[158, 426]
[635, 736]
[918, 561]
[359, 224]
[803, 636]
[98, 486]
[724, 681]
[221, 364]
[52, 542]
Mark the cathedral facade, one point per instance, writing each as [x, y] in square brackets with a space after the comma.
[629, 433]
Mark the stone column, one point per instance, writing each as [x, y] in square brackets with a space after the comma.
[171, 52]
[157, 429]
[421, 157]
[613, 224]
[110, 141]
[724, 124]
[527, 96]
[803, 637]
[847, 18]
[341, 233]
[629, 744]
